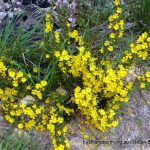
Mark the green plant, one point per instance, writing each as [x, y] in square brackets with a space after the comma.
[140, 9]
[12, 139]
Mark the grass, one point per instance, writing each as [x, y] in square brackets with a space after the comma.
[12, 140]
[140, 11]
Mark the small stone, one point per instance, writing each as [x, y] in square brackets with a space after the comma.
[22, 133]
[10, 14]
[46, 9]
[27, 100]
[7, 6]
[17, 9]
[60, 90]
[2, 15]
[43, 4]
[77, 144]
[26, 2]
[1, 118]
[1, 2]
[18, 3]
[2, 9]
[50, 1]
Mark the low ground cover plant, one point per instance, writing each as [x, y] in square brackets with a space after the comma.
[66, 76]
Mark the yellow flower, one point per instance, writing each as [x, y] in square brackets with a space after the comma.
[102, 50]
[60, 120]
[116, 26]
[35, 69]
[114, 124]
[57, 37]
[43, 83]
[112, 35]
[68, 25]
[107, 43]
[119, 10]
[67, 144]
[85, 136]
[11, 74]
[117, 2]
[148, 39]
[47, 56]
[38, 111]
[102, 112]
[28, 87]
[29, 75]
[47, 101]
[19, 74]
[142, 85]
[110, 48]
[38, 86]
[81, 49]
[59, 132]
[57, 53]
[65, 129]
[23, 80]
[20, 126]
[15, 83]
[22, 105]
[1, 92]
[148, 74]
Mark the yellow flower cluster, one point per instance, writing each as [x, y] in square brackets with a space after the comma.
[144, 79]
[48, 24]
[13, 75]
[68, 111]
[39, 87]
[16, 76]
[33, 115]
[98, 85]
[40, 118]
[57, 37]
[140, 49]
[2, 69]
[116, 26]
[55, 133]
[75, 35]
[8, 93]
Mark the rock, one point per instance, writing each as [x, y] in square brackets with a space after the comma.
[77, 144]
[60, 90]
[10, 14]
[2, 9]
[2, 15]
[133, 73]
[43, 4]
[50, 1]
[46, 9]
[27, 100]
[1, 2]
[72, 21]
[18, 3]
[17, 10]
[26, 2]
[22, 133]
[7, 6]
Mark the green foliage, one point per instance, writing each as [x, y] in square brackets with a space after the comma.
[140, 9]
[17, 140]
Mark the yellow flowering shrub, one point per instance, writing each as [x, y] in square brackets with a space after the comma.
[72, 80]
